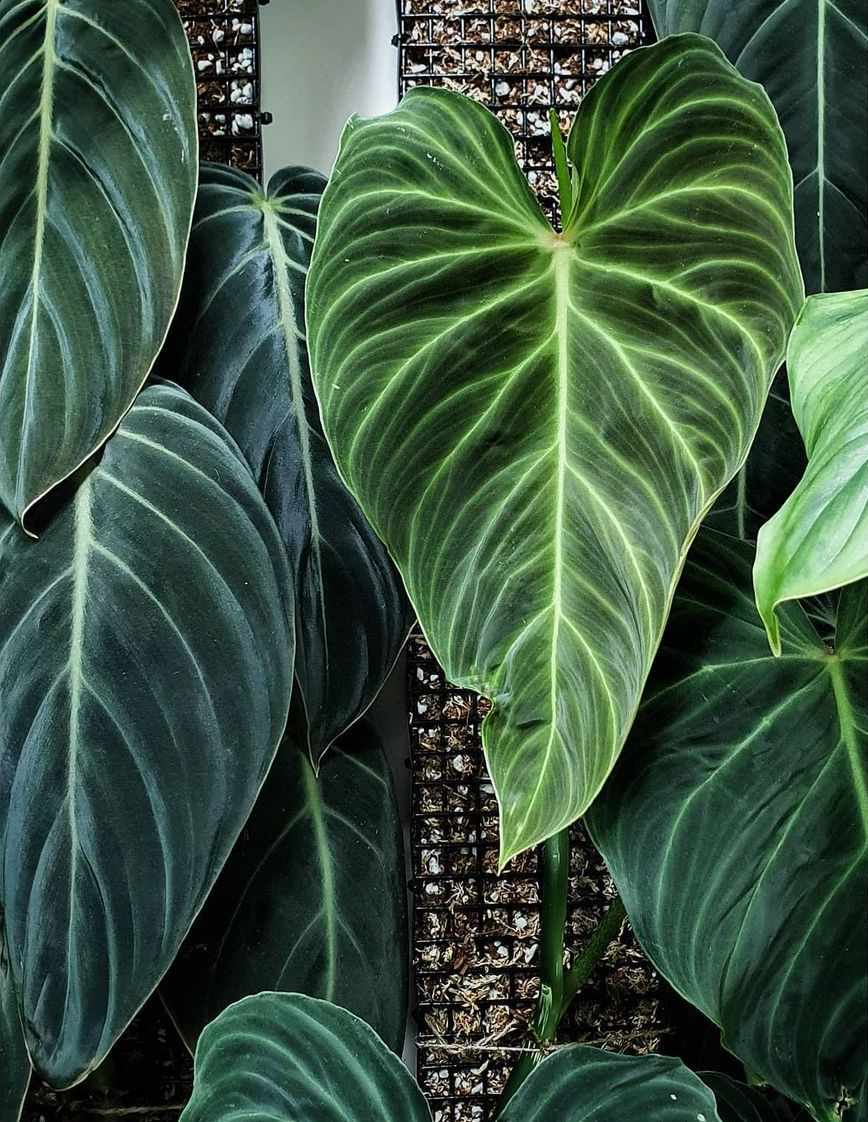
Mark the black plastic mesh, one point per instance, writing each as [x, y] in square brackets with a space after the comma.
[224, 38]
[520, 58]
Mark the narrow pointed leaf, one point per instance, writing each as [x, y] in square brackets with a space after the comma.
[290, 1058]
[583, 1084]
[14, 1061]
[812, 58]
[97, 184]
[239, 344]
[536, 424]
[818, 540]
[736, 827]
[145, 673]
[312, 899]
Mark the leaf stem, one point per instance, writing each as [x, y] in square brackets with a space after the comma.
[559, 151]
[558, 988]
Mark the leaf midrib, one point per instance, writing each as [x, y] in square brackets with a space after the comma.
[281, 263]
[849, 738]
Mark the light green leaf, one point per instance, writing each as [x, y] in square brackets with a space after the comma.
[812, 58]
[312, 899]
[818, 540]
[145, 674]
[14, 1061]
[98, 157]
[534, 423]
[582, 1084]
[289, 1058]
[736, 826]
[238, 345]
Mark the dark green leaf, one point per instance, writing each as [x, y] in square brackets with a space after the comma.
[240, 346]
[818, 540]
[145, 672]
[537, 423]
[14, 1061]
[288, 1058]
[736, 826]
[98, 156]
[738, 1103]
[812, 58]
[312, 899]
[582, 1084]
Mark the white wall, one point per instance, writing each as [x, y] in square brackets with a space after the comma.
[322, 61]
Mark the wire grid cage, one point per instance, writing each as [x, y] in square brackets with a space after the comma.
[224, 39]
[520, 58]
[476, 933]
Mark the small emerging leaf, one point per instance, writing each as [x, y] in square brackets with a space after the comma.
[818, 540]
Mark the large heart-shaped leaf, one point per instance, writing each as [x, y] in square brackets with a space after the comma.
[818, 540]
[312, 899]
[145, 674]
[97, 183]
[240, 347]
[290, 1058]
[14, 1061]
[536, 423]
[812, 58]
[736, 826]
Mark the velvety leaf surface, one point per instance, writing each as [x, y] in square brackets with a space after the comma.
[536, 424]
[738, 1103]
[145, 674]
[240, 346]
[14, 1061]
[818, 540]
[773, 467]
[736, 826]
[97, 184]
[289, 1058]
[312, 899]
[812, 58]
[583, 1084]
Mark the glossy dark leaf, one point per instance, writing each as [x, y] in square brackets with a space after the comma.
[736, 826]
[14, 1061]
[312, 899]
[145, 671]
[239, 345]
[98, 157]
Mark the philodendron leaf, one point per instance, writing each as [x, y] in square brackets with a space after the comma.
[312, 899]
[145, 674]
[583, 1084]
[14, 1061]
[818, 540]
[536, 423]
[97, 183]
[736, 826]
[812, 58]
[240, 348]
[738, 1103]
[290, 1058]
